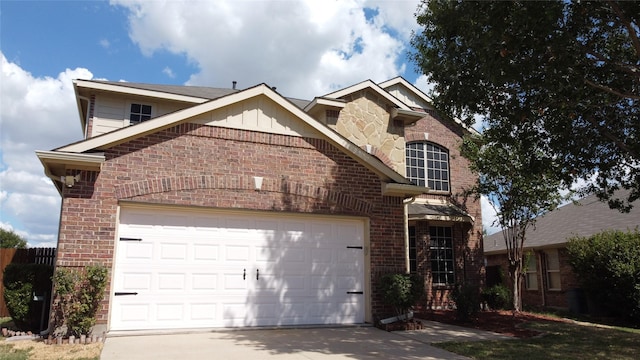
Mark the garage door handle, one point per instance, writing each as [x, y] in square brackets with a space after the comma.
[244, 274]
[121, 293]
[257, 274]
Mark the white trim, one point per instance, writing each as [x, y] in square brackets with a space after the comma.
[70, 158]
[393, 189]
[166, 121]
[124, 89]
[319, 101]
[408, 85]
[368, 84]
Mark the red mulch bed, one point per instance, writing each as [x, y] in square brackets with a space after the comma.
[501, 321]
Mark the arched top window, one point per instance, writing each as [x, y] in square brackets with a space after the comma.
[428, 165]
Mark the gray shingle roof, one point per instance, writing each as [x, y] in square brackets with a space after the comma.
[194, 91]
[589, 216]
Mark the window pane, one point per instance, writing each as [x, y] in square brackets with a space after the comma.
[135, 108]
[134, 118]
[146, 109]
[442, 255]
[553, 263]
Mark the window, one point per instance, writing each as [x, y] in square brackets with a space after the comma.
[428, 165]
[531, 275]
[441, 252]
[139, 113]
[413, 254]
[553, 269]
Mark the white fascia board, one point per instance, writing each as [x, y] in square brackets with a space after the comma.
[403, 190]
[368, 84]
[408, 85]
[163, 122]
[320, 101]
[137, 92]
[160, 123]
[57, 157]
[419, 93]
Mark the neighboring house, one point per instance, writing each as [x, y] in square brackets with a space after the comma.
[549, 280]
[230, 208]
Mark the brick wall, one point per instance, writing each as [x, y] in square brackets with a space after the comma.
[467, 237]
[543, 296]
[207, 166]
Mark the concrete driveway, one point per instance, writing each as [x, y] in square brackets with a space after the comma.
[300, 343]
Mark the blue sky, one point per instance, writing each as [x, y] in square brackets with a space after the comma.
[305, 48]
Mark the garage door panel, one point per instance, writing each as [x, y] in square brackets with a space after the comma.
[200, 271]
[206, 252]
[204, 282]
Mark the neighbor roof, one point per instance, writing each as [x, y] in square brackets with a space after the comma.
[587, 217]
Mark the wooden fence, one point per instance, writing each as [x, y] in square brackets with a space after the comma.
[22, 256]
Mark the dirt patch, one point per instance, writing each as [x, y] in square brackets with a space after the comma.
[502, 321]
[38, 350]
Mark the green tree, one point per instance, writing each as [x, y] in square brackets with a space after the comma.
[607, 265]
[569, 68]
[520, 180]
[9, 239]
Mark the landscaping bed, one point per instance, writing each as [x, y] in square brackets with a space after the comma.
[499, 321]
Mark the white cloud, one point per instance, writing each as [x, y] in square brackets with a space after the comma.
[37, 113]
[167, 71]
[104, 43]
[304, 48]
[424, 84]
[489, 217]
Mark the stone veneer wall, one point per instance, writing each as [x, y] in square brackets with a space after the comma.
[366, 121]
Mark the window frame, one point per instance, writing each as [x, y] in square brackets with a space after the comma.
[531, 273]
[413, 250]
[129, 112]
[552, 272]
[425, 165]
[443, 244]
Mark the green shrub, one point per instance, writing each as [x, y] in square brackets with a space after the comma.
[401, 291]
[21, 282]
[467, 299]
[497, 297]
[608, 268]
[79, 295]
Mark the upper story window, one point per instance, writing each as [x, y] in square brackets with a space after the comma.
[428, 165]
[139, 113]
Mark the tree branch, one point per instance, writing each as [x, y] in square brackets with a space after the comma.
[632, 34]
[619, 143]
[612, 91]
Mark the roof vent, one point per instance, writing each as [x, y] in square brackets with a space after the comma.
[233, 84]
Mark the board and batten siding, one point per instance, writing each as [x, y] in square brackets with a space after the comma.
[112, 113]
[256, 114]
[407, 97]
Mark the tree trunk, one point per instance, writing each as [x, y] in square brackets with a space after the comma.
[515, 271]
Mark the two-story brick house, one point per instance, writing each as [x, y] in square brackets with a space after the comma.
[227, 207]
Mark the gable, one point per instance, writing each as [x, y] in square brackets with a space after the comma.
[258, 109]
[259, 113]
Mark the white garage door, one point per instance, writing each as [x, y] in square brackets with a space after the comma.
[181, 269]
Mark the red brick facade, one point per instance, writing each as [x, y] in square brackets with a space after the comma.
[207, 166]
[467, 237]
[543, 296]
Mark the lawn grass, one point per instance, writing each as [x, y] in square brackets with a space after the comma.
[560, 341]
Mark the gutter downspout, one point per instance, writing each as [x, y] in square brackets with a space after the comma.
[406, 203]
